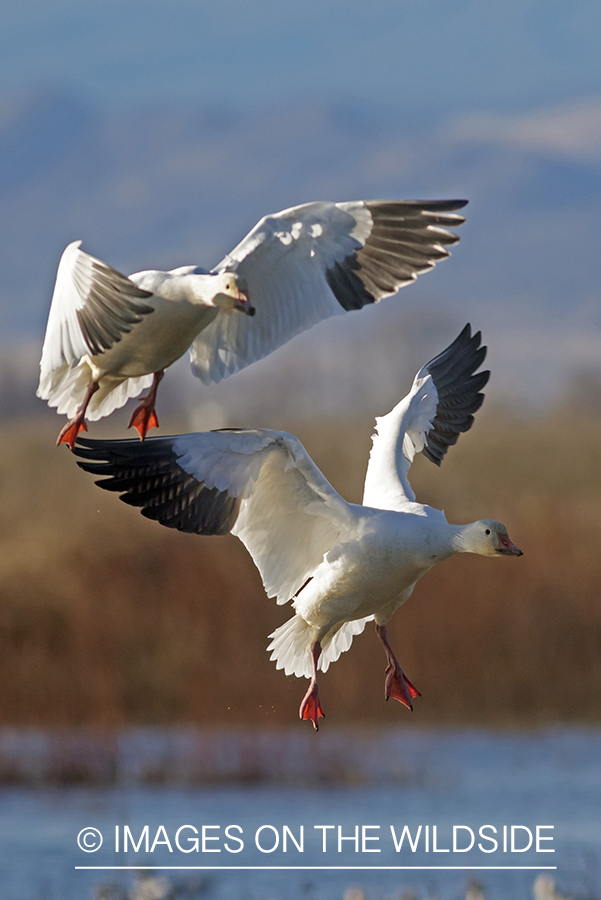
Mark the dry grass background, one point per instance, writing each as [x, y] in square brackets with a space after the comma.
[108, 619]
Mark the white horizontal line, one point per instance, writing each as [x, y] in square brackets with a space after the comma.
[320, 868]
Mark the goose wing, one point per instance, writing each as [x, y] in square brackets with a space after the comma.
[259, 485]
[440, 406]
[317, 260]
[93, 305]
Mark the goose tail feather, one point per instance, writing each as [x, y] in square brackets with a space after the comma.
[291, 645]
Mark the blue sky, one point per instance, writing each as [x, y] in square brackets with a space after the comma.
[108, 133]
[435, 55]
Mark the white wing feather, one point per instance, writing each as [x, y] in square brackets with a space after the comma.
[290, 515]
[64, 342]
[399, 436]
[439, 407]
[284, 261]
[88, 296]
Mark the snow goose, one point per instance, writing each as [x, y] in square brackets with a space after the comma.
[342, 563]
[110, 336]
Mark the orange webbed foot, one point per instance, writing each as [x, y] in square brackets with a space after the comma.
[143, 418]
[400, 688]
[310, 708]
[69, 433]
[412, 689]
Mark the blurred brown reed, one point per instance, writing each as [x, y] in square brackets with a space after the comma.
[108, 619]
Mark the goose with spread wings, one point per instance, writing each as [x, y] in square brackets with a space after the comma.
[109, 336]
[341, 563]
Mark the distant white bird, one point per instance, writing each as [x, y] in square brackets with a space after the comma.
[343, 564]
[544, 888]
[474, 890]
[110, 336]
[150, 887]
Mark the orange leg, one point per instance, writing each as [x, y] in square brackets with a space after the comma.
[144, 417]
[397, 684]
[310, 708]
[69, 433]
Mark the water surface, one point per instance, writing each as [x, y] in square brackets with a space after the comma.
[434, 779]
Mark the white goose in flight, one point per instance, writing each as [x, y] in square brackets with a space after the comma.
[110, 336]
[341, 563]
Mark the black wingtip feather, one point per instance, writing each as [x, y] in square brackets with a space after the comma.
[407, 238]
[347, 287]
[149, 476]
[458, 386]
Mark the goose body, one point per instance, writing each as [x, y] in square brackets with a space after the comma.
[110, 336]
[341, 564]
[369, 577]
[158, 339]
[156, 343]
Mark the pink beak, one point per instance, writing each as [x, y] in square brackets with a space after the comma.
[243, 304]
[506, 547]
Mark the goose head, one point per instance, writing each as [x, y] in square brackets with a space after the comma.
[231, 292]
[486, 537]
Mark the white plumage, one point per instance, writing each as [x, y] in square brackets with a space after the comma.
[110, 336]
[342, 564]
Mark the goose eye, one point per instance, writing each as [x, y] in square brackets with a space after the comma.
[487, 531]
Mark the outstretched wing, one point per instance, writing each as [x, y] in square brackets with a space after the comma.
[438, 408]
[260, 485]
[318, 260]
[92, 306]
